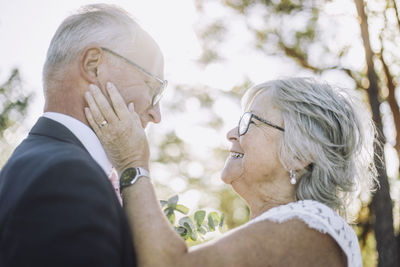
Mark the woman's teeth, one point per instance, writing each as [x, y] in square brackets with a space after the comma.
[236, 155]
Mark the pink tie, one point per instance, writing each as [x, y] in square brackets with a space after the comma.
[114, 181]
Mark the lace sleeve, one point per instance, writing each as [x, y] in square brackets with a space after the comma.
[321, 218]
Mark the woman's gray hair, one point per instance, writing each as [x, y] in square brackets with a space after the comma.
[101, 24]
[329, 132]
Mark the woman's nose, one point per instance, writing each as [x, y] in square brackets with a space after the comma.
[232, 134]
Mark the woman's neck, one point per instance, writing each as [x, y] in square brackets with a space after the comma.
[256, 209]
[266, 195]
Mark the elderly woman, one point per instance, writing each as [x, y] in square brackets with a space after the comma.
[300, 152]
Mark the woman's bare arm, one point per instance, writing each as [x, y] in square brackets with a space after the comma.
[155, 241]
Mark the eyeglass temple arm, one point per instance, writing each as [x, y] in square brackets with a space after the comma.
[268, 123]
[133, 63]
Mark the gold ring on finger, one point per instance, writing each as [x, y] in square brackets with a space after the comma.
[103, 123]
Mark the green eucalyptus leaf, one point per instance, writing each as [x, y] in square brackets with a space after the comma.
[202, 230]
[193, 236]
[199, 217]
[182, 209]
[211, 225]
[166, 211]
[163, 203]
[182, 231]
[171, 217]
[188, 227]
[187, 222]
[172, 201]
[222, 226]
[213, 220]
[205, 226]
[191, 232]
[222, 220]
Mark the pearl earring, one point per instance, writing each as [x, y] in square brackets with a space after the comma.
[292, 177]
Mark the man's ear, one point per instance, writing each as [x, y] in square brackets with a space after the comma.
[90, 60]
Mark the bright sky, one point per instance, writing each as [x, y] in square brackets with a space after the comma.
[26, 28]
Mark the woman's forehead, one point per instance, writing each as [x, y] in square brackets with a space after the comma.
[263, 105]
[261, 101]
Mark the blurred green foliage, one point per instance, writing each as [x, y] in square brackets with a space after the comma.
[14, 101]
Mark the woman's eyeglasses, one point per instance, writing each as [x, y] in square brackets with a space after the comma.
[247, 119]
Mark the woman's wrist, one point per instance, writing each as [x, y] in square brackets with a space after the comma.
[128, 191]
[130, 176]
[136, 164]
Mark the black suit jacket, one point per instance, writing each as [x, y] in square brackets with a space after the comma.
[57, 206]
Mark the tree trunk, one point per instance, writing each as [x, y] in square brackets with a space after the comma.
[397, 13]
[381, 203]
[394, 107]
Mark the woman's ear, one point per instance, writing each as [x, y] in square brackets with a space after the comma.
[90, 60]
[299, 164]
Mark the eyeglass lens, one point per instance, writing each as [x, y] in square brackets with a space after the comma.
[244, 123]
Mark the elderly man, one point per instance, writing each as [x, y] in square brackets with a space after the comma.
[58, 203]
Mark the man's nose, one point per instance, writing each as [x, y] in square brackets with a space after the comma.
[232, 134]
[155, 113]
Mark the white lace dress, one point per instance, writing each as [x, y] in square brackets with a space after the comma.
[322, 218]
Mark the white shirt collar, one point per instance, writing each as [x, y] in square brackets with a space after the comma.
[87, 137]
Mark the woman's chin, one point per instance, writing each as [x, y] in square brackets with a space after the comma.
[225, 177]
[232, 170]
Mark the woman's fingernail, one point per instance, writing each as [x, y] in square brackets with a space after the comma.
[131, 108]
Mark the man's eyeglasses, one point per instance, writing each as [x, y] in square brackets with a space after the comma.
[247, 119]
[163, 83]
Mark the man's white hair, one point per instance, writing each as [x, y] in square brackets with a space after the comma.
[100, 24]
[331, 131]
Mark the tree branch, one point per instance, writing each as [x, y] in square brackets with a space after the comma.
[397, 13]
[302, 60]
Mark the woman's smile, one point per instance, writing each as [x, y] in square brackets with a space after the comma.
[236, 155]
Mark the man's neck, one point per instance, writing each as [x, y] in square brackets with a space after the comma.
[75, 111]
[67, 100]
